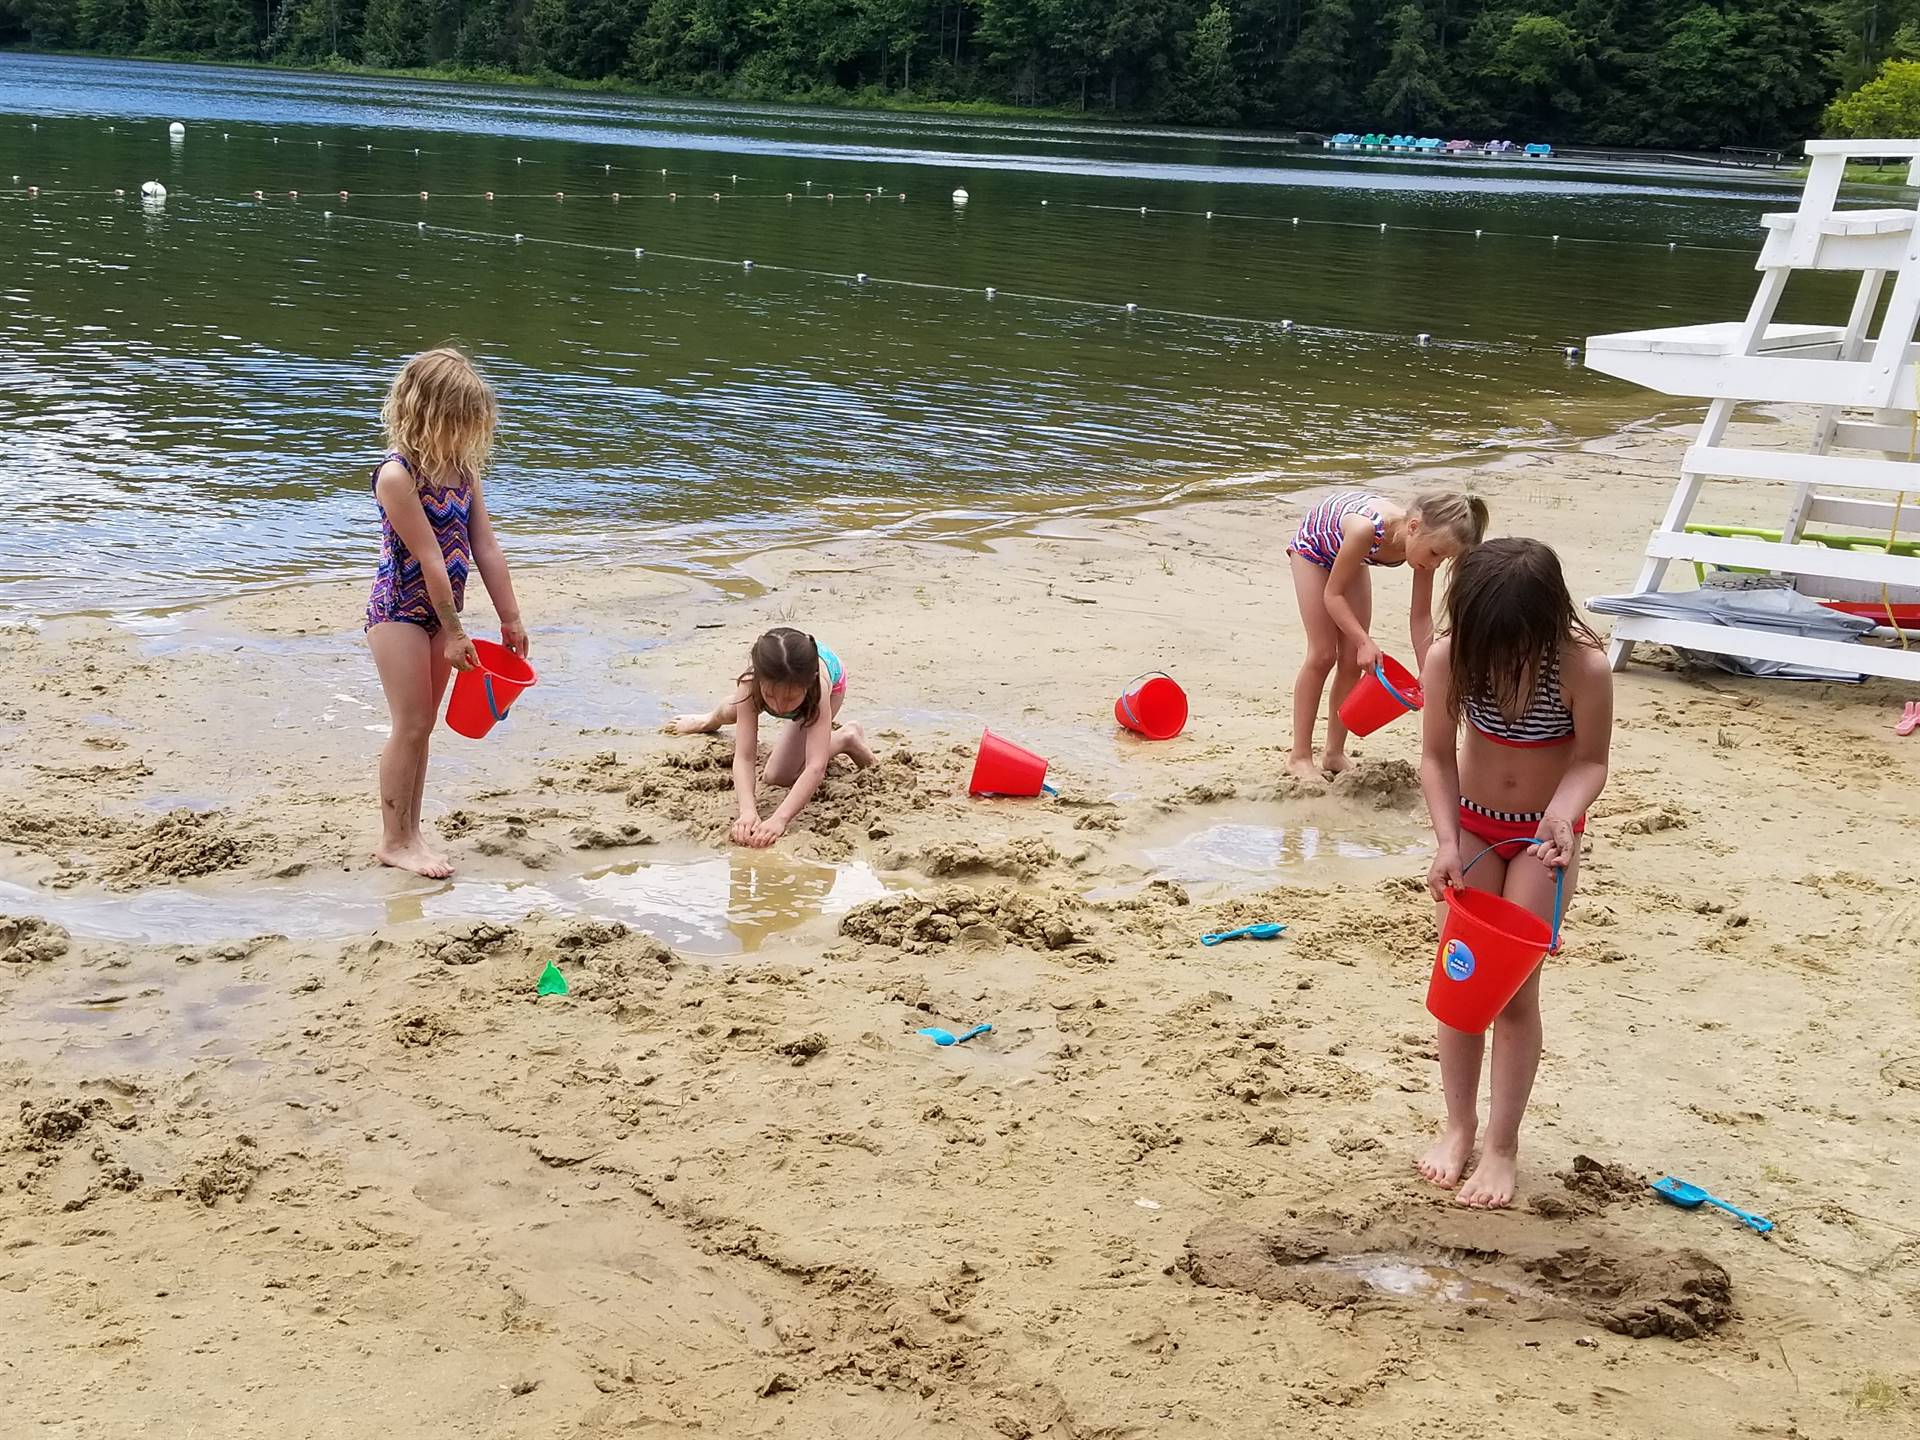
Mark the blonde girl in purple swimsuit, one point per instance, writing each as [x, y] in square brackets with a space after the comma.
[1338, 540]
[439, 417]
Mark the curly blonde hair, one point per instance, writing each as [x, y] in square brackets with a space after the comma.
[439, 413]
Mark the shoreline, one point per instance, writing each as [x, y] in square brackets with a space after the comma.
[728, 1188]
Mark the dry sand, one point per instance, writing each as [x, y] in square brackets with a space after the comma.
[298, 1151]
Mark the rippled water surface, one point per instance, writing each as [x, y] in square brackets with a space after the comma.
[188, 392]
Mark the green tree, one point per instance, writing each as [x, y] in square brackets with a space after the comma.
[1319, 71]
[1209, 92]
[394, 33]
[1544, 62]
[1887, 107]
[113, 25]
[1407, 93]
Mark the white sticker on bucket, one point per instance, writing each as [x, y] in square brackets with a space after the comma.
[1458, 961]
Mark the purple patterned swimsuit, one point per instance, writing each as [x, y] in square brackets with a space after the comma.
[399, 587]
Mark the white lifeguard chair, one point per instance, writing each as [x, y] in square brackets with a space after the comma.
[1858, 468]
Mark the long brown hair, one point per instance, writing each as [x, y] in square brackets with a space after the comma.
[786, 657]
[440, 414]
[1508, 613]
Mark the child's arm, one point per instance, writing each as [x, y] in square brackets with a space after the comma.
[398, 496]
[492, 564]
[1440, 768]
[746, 764]
[1420, 618]
[1588, 685]
[1356, 539]
[819, 755]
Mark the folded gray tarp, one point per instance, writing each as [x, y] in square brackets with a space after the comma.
[1772, 608]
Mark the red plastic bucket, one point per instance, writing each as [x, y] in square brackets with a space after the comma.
[1488, 948]
[1153, 705]
[1386, 692]
[483, 695]
[1004, 768]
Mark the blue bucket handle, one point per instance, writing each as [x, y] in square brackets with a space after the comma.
[1380, 674]
[486, 682]
[1559, 883]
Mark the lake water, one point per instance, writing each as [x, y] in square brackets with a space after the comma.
[188, 393]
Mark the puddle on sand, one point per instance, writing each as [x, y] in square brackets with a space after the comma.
[1251, 848]
[1409, 1279]
[155, 1017]
[711, 905]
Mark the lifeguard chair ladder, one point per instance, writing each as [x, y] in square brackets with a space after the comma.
[1863, 384]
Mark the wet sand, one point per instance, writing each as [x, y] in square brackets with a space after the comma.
[299, 1151]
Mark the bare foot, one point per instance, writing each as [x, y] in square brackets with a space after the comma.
[1490, 1187]
[1446, 1158]
[691, 725]
[1305, 769]
[854, 745]
[415, 857]
[1335, 761]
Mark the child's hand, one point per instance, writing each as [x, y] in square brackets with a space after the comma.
[513, 635]
[1555, 843]
[1368, 654]
[766, 832]
[459, 651]
[743, 828]
[1445, 873]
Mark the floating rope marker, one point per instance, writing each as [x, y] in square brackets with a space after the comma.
[518, 238]
[276, 139]
[151, 190]
[560, 195]
[343, 194]
[991, 292]
[119, 194]
[861, 278]
[1423, 339]
[607, 168]
[1209, 214]
[1573, 352]
[423, 227]
[736, 179]
[177, 130]
[33, 192]
[1476, 234]
[789, 197]
[663, 169]
[638, 252]
[1296, 219]
[423, 194]
[1132, 308]
[293, 194]
[326, 214]
[519, 159]
[489, 195]
[746, 264]
[1383, 227]
[1556, 239]
[809, 183]
[369, 148]
[416, 149]
[1143, 209]
[672, 196]
[1043, 202]
[258, 196]
[616, 197]
[317, 144]
[1286, 324]
[1670, 245]
[716, 197]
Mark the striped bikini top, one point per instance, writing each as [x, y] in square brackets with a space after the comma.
[1546, 720]
[1322, 528]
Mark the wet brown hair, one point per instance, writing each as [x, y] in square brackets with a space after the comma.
[440, 414]
[1508, 614]
[1464, 517]
[785, 656]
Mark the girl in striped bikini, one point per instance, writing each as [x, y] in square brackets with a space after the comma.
[439, 416]
[1338, 540]
[1530, 681]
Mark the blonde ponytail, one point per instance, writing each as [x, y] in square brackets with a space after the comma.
[1464, 517]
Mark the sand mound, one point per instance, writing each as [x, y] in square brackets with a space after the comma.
[918, 922]
[53, 1122]
[1390, 784]
[224, 1174]
[1017, 859]
[177, 846]
[1682, 1294]
[24, 939]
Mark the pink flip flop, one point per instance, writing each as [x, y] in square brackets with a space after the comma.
[1909, 719]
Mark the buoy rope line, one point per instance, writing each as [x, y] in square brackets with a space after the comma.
[41, 192]
[1382, 226]
[990, 292]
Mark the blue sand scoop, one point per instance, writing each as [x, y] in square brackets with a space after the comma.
[1692, 1197]
[944, 1038]
[1246, 932]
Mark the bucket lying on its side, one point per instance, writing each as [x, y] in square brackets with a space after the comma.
[1004, 768]
[1154, 706]
[482, 696]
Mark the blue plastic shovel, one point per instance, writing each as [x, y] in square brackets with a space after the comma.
[1692, 1197]
[1246, 932]
[944, 1038]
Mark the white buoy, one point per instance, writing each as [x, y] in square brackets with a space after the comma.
[1556, 239]
[34, 126]
[517, 238]
[746, 264]
[423, 194]
[1132, 308]
[789, 197]
[1383, 227]
[616, 197]
[607, 168]
[1296, 219]
[1143, 209]
[991, 292]
[1286, 324]
[638, 252]
[1423, 339]
[326, 214]
[861, 278]
[293, 194]
[1573, 352]
[369, 149]
[152, 190]
[809, 183]
[489, 195]
[735, 179]
[1043, 202]
[177, 131]
[1209, 214]
[258, 196]
[1670, 246]
[960, 197]
[276, 139]
[1476, 234]
[317, 144]
[119, 194]
[33, 192]
[519, 159]
[416, 149]
[423, 227]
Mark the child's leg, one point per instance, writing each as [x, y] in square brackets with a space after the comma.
[1323, 651]
[1346, 675]
[404, 655]
[702, 724]
[1461, 1054]
[1516, 1048]
[789, 754]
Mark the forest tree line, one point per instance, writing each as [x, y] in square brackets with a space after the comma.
[1673, 73]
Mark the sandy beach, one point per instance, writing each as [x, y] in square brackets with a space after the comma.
[292, 1147]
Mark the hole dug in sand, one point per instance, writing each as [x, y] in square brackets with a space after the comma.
[1682, 1294]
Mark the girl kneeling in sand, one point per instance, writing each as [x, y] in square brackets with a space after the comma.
[1336, 542]
[1529, 678]
[439, 416]
[792, 677]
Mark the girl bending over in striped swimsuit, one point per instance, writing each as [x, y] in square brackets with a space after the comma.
[1529, 678]
[1337, 541]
